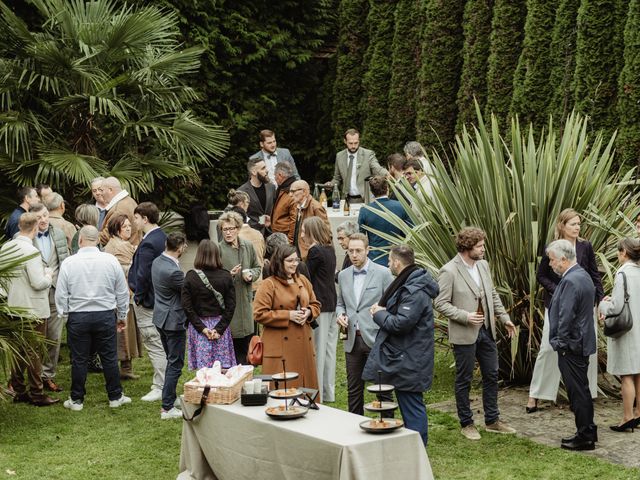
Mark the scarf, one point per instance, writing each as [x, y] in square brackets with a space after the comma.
[396, 284]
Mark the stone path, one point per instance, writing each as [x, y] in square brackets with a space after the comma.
[550, 423]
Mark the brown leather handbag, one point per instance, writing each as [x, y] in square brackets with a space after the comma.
[254, 356]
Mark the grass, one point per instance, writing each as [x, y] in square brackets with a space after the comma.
[132, 442]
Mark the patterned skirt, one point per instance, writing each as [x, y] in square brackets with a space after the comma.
[203, 352]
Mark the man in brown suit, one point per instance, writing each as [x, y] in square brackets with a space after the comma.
[307, 206]
[118, 202]
[285, 210]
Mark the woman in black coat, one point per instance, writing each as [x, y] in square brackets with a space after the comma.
[321, 263]
[546, 374]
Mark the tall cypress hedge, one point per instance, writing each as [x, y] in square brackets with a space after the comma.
[405, 66]
[563, 59]
[596, 76]
[629, 89]
[475, 55]
[377, 79]
[506, 44]
[440, 72]
[353, 38]
[531, 87]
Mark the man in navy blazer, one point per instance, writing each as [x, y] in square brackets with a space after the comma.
[169, 317]
[146, 217]
[573, 336]
[370, 221]
[271, 154]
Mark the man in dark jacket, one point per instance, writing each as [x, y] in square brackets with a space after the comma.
[403, 350]
[572, 335]
[146, 217]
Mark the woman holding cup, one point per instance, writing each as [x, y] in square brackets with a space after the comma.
[286, 305]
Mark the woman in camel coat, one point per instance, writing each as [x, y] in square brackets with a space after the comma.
[285, 304]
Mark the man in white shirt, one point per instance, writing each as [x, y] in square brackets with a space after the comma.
[93, 292]
[361, 285]
[271, 155]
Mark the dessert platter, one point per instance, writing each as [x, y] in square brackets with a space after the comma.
[286, 411]
[381, 425]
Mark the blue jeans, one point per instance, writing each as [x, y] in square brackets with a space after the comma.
[414, 413]
[85, 329]
[485, 351]
[173, 342]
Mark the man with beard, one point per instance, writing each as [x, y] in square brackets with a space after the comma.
[261, 196]
[471, 304]
[283, 217]
[272, 155]
[354, 165]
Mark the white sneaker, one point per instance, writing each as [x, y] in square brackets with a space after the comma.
[153, 396]
[173, 413]
[123, 400]
[74, 405]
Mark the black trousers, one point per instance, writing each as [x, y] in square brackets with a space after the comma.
[573, 369]
[355, 361]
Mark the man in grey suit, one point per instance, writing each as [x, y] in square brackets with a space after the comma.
[361, 286]
[354, 165]
[271, 154]
[261, 193]
[169, 317]
[53, 247]
[29, 290]
[471, 304]
[573, 336]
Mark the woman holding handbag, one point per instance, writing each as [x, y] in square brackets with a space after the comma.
[546, 374]
[209, 301]
[286, 305]
[623, 353]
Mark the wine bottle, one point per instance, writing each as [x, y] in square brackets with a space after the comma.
[336, 198]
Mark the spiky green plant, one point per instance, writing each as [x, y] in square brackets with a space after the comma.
[514, 190]
[17, 326]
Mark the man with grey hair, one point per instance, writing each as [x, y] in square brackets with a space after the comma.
[55, 204]
[283, 215]
[93, 292]
[98, 197]
[118, 202]
[573, 336]
[344, 231]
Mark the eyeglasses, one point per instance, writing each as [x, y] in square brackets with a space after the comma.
[292, 260]
[229, 229]
[295, 190]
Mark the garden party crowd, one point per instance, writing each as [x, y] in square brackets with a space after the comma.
[272, 286]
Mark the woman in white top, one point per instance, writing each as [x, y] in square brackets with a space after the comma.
[623, 353]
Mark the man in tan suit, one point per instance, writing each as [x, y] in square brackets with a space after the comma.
[29, 289]
[55, 204]
[307, 207]
[118, 202]
[471, 304]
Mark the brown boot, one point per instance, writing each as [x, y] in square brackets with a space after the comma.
[126, 371]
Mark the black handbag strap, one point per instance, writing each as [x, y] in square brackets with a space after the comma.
[203, 402]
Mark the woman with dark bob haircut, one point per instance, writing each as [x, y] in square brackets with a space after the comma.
[209, 300]
[285, 304]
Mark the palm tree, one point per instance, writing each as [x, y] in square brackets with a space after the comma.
[513, 189]
[17, 326]
[100, 89]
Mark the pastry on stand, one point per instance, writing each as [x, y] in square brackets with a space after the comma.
[381, 425]
[286, 411]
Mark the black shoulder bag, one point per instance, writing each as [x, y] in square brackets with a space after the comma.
[617, 324]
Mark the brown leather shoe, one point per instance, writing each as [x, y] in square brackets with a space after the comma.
[50, 385]
[128, 376]
[44, 401]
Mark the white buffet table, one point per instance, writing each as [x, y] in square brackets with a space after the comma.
[233, 442]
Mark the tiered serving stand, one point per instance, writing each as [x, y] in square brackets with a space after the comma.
[381, 425]
[286, 411]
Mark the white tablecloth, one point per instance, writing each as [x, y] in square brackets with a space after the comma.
[233, 442]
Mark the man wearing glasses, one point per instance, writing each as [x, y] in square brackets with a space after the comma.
[307, 207]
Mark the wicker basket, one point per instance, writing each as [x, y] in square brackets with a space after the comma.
[221, 395]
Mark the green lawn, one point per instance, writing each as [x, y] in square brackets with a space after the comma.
[132, 442]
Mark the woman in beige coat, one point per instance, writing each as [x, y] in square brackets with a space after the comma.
[285, 304]
[129, 342]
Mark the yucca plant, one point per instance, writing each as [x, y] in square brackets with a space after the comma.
[17, 326]
[100, 89]
[514, 190]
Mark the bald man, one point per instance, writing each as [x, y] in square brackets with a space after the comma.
[118, 202]
[307, 207]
